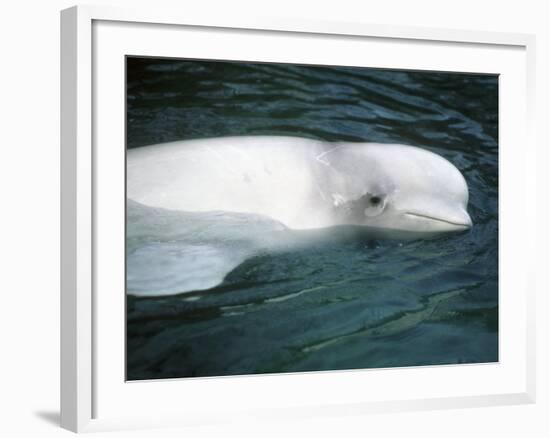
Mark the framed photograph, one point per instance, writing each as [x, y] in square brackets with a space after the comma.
[253, 208]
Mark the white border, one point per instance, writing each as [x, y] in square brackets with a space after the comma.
[84, 373]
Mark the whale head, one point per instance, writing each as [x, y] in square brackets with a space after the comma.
[399, 189]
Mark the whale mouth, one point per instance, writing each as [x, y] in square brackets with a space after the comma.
[464, 224]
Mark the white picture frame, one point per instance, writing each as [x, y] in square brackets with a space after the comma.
[89, 399]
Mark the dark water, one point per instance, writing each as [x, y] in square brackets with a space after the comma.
[343, 302]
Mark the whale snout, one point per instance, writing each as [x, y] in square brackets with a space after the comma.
[457, 220]
[465, 220]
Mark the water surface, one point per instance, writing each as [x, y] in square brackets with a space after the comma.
[344, 301]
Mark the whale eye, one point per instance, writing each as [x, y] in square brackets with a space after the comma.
[374, 205]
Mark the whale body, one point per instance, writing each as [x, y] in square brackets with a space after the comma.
[304, 183]
[198, 209]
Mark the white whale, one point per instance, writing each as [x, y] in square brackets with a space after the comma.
[304, 183]
[198, 209]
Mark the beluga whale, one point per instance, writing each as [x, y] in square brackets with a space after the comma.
[304, 183]
[197, 209]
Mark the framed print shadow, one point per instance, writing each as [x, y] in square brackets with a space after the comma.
[285, 218]
[252, 208]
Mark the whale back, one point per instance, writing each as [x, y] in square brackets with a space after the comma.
[271, 176]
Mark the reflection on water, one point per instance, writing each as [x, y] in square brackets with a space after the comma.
[337, 303]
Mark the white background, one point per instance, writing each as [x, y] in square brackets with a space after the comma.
[29, 187]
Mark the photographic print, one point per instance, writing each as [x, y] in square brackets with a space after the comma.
[291, 218]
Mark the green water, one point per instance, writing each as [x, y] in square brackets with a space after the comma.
[341, 302]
